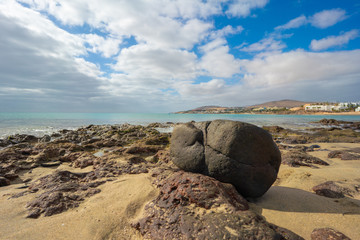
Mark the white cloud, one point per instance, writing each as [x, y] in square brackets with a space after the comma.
[40, 61]
[217, 61]
[39, 26]
[152, 49]
[227, 30]
[328, 18]
[297, 74]
[300, 66]
[242, 8]
[323, 19]
[216, 43]
[294, 23]
[20, 91]
[214, 87]
[98, 44]
[333, 41]
[68, 12]
[188, 9]
[144, 60]
[265, 45]
[153, 22]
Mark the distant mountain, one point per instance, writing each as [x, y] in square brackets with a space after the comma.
[286, 103]
[206, 109]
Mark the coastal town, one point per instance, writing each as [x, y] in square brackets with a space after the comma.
[283, 107]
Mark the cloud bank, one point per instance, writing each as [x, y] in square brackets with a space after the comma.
[163, 55]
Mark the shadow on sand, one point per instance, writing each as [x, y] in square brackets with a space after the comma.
[295, 200]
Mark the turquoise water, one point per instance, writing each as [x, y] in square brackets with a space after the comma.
[44, 123]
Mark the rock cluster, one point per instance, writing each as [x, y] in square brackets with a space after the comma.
[343, 132]
[62, 190]
[232, 152]
[342, 124]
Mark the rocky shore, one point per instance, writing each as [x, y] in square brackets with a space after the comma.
[120, 182]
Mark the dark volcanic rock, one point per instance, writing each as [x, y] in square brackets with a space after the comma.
[45, 138]
[140, 149]
[273, 129]
[343, 124]
[295, 140]
[298, 158]
[351, 154]
[162, 155]
[325, 121]
[11, 175]
[327, 233]
[194, 206]
[162, 139]
[4, 182]
[187, 148]
[332, 190]
[233, 152]
[21, 138]
[62, 190]
[186, 188]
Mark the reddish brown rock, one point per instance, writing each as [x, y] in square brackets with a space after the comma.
[332, 190]
[350, 154]
[194, 206]
[186, 188]
[47, 154]
[141, 149]
[327, 234]
[163, 156]
[81, 160]
[62, 190]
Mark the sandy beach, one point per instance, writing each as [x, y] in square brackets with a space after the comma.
[107, 215]
[121, 199]
[292, 204]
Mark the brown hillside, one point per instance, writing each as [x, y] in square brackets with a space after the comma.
[204, 108]
[282, 103]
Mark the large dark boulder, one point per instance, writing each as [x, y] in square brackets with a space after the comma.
[233, 152]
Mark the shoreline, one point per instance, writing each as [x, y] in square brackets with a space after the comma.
[305, 114]
[42, 127]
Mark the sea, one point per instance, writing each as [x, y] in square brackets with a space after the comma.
[39, 124]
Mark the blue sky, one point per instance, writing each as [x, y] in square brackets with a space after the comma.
[170, 55]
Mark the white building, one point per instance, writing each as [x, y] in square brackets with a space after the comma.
[332, 107]
[348, 104]
[319, 108]
[343, 105]
[357, 109]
